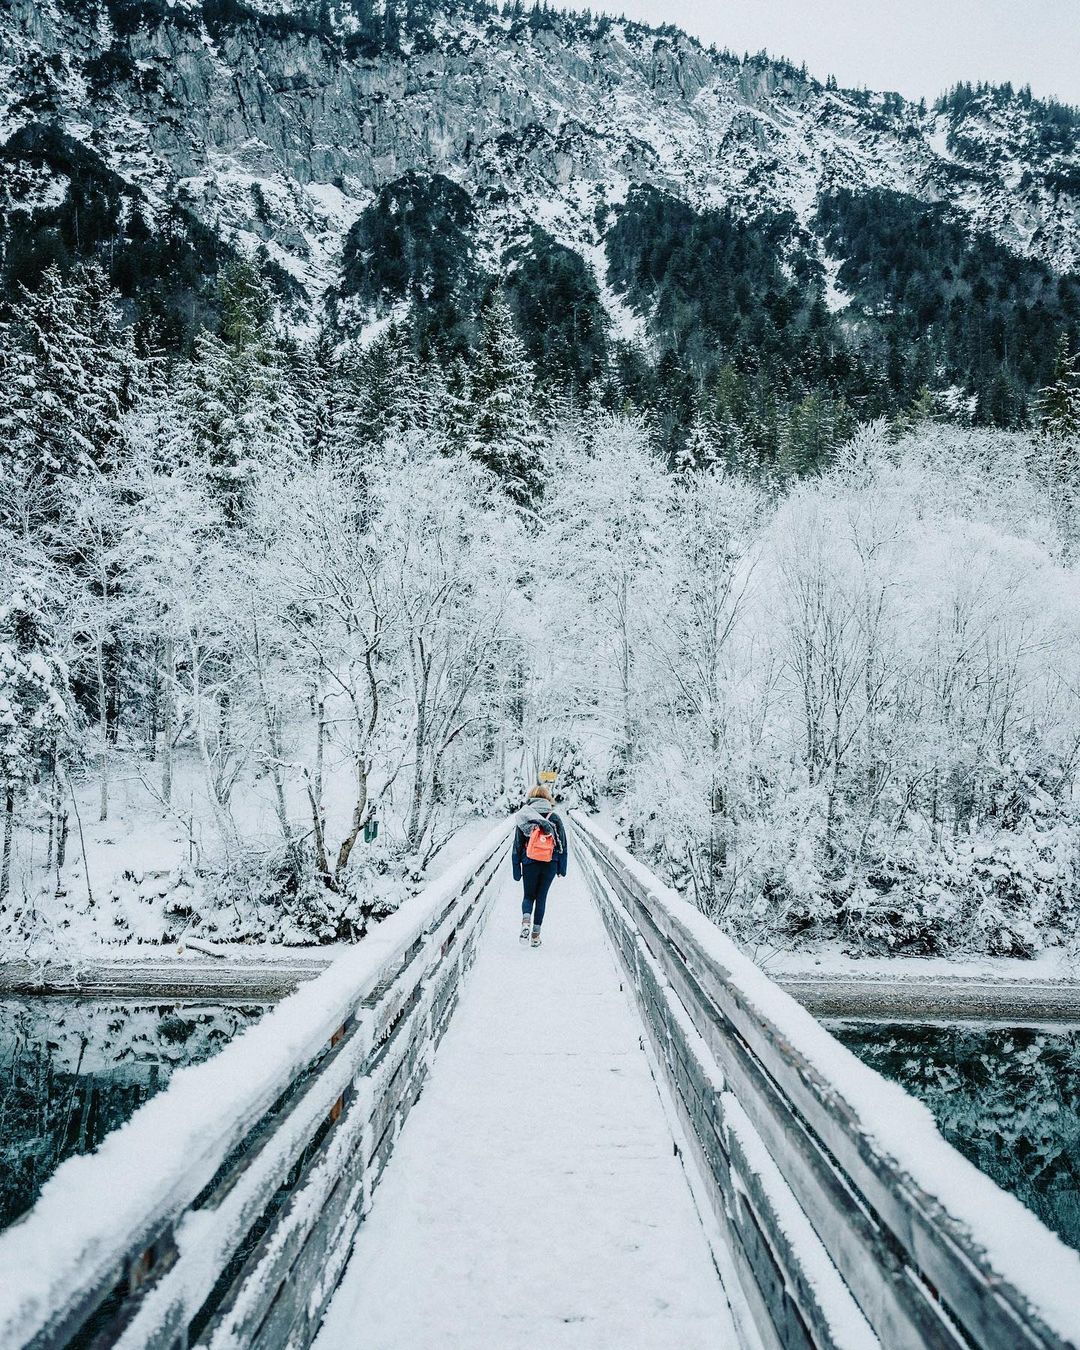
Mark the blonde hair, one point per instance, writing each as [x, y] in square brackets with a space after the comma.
[539, 794]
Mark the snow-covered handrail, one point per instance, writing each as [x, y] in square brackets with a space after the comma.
[850, 1220]
[223, 1212]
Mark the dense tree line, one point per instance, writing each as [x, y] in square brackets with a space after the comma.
[741, 338]
[309, 605]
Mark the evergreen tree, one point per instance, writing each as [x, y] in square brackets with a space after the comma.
[1058, 404]
[504, 435]
[35, 699]
[389, 390]
[922, 409]
[702, 448]
[71, 375]
[235, 404]
[317, 378]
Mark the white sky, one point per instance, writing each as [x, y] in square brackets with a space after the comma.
[918, 47]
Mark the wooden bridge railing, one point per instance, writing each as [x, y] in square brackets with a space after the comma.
[222, 1214]
[850, 1220]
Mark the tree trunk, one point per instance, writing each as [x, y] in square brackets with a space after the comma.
[717, 831]
[154, 709]
[413, 832]
[359, 812]
[168, 720]
[273, 745]
[54, 818]
[103, 724]
[222, 814]
[9, 834]
[61, 843]
[82, 840]
[322, 865]
[320, 740]
[627, 749]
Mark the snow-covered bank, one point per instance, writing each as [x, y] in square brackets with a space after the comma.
[1054, 966]
[191, 966]
[264, 972]
[1043, 991]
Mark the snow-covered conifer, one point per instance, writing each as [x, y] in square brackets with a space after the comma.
[235, 406]
[70, 376]
[35, 697]
[504, 434]
[1058, 405]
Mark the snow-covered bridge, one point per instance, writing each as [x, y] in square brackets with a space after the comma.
[630, 1139]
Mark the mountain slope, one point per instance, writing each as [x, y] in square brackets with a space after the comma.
[291, 130]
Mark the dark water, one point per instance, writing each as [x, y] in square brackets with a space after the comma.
[1007, 1097]
[72, 1070]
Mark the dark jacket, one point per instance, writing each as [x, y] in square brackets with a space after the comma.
[550, 823]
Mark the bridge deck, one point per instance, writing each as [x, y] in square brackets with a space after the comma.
[534, 1199]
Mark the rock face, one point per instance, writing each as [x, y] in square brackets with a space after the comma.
[276, 125]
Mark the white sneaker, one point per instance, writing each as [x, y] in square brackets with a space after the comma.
[536, 937]
[526, 929]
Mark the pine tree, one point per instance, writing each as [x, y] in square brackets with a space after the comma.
[381, 388]
[349, 430]
[1058, 405]
[317, 378]
[702, 448]
[71, 375]
[922, 409]
[235, 405]
[504, 435]
[35, 700]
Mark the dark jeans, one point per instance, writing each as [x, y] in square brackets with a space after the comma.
[537, 878]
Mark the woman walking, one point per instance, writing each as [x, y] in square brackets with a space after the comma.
[539, 857]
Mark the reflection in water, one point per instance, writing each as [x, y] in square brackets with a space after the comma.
[72, 1070]
[1008, 1098]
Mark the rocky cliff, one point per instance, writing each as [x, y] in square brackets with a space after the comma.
[222, 124]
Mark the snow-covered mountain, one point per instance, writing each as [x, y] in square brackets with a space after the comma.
[218, 123]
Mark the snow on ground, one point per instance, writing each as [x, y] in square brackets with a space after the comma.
[829, 961]
[836, 298]
[534, 1201]
[373, 329]
[145, 866]
[626, 324]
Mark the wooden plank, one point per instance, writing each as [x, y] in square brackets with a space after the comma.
[292, 1301]
[976, 1296]
[872, 1264]
[394, 1056]
[269, 1264]
[714, 1173]
[182, 1296]
[866, 1255]
[400, 1091]
[792, 1298]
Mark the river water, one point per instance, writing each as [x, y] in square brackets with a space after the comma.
[1007, 1097]
[71, 1070]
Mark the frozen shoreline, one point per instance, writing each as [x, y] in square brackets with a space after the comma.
[957, 998]
[869, 989]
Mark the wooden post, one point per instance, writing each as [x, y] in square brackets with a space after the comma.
[335, 1111]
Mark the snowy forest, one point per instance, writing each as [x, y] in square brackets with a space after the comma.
[279, 616]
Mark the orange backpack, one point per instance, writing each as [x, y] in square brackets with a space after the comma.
[541, 845]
